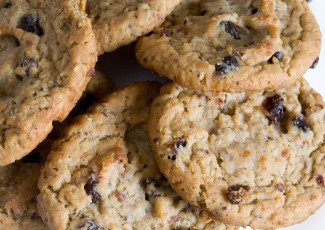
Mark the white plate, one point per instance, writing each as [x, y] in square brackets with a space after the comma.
[123, 69]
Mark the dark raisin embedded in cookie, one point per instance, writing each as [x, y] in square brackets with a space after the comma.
[235, 193]
[90, 188]
[28, 64]
[276, 57]
[203, 12]
[231, 29]
[180, 142]
[301, 123]
[7, 5]
[254, 11]
[229, 64]
[166, 32]
[320, 180]
[315, 63]
[308, 0]
[30, 23]
[90, 225]
[275, 108]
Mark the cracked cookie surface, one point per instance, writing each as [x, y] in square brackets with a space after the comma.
[233, 46]
[254, 158]
[118, 23]
[47, 54]
[101, 174]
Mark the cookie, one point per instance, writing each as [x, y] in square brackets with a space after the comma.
[18, 181]
[233, 46]
[118, 23]
[18, 191]
[252, 158]
[47, 57]
[98, 86]
[101, 174]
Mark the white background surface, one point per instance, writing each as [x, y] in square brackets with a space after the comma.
[123, 69]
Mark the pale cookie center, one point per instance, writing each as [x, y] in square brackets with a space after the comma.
[251, 32]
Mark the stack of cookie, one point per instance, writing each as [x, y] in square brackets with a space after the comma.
[236, 140]
[252, 154]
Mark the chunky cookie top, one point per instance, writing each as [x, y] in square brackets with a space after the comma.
[118, 23]
[233, 45]
[102, 175]
[254, 158]
[47, 55]
[18, 191]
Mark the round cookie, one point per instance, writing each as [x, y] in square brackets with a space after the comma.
[101, 174]
[118, 23]
[18, 181]
[47, 54]
[18, 191]
[253, 158]
[233, 45]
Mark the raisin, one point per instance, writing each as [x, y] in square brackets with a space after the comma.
[28, 64]
[203, 12]
[231, 29]
[280, 187]
[308, 0]
[254, 11]
[90, 188]
[180, 141]
[320, 180]
[301, 123]
[166, 32]
[89, 225]
[30, 24]
[7, 5]
[275, 108]
[313, 66]
[276, 57]
[229, 64]
[235, 193]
